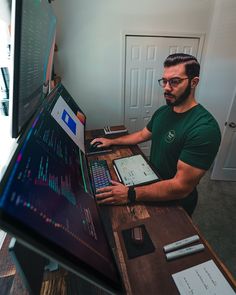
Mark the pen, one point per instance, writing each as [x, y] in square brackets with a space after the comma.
[184, 251]
[180, 243]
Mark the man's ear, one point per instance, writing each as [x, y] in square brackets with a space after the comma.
[194, 82]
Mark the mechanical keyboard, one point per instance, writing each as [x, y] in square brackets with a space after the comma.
[100, 174]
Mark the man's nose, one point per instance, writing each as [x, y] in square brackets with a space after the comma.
[167, 87]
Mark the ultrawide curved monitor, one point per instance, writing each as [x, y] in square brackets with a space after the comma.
[46, 200]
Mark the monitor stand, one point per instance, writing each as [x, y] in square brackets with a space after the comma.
[30, 265]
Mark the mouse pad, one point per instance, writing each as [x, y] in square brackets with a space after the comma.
[134, 250]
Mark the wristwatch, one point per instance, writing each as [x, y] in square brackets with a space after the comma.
[131, 195]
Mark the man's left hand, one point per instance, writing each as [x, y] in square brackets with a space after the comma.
[115, 194]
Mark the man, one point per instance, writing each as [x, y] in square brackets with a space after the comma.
[185, 139]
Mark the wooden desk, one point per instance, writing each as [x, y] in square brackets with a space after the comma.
[148, 274]
[151, 274]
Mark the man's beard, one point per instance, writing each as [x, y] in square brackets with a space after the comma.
[180, 99]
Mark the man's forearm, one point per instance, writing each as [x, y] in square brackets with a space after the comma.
[181, 185]
[134, 138]
[165, 190]
[126, 139]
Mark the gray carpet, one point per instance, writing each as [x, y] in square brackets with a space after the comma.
[215, 217]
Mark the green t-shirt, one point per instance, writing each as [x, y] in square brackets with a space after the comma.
[192, 137]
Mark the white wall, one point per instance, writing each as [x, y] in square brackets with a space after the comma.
[218, 80]
[89, 38]
[5, 20]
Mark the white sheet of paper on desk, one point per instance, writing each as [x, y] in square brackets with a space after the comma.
[202, 279]
[67, 119]
[2, 237]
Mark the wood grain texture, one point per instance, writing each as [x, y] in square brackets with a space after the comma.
[7, 268]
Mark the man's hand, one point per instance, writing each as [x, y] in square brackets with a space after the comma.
[130, 139]
[115, 194]
[105, 142]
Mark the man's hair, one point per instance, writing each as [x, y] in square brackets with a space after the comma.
[192, 66]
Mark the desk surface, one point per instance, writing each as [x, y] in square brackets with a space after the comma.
[147, 274]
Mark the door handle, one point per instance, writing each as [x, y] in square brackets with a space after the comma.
[232, 125]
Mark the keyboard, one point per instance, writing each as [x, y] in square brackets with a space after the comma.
[100, 174]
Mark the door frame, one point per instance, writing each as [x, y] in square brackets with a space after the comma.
[217, 172]
[124, 34]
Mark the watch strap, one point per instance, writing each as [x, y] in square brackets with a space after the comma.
[131, 195]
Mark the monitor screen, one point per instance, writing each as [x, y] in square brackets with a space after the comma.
[45, 194]
[33, 30]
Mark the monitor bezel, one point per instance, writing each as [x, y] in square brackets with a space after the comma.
[15, 66]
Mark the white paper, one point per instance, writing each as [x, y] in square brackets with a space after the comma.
[70, 123]
[2, 237]
[202, 279]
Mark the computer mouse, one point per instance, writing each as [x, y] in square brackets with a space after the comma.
[95, 145]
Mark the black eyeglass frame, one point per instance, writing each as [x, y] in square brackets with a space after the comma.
[162, 82]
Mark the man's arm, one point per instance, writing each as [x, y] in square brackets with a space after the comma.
[134, 138]
[178, 187]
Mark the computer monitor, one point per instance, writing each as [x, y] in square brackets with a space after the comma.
[33, 30]
[46, 200]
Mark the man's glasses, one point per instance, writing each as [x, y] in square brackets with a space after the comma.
[173, 82]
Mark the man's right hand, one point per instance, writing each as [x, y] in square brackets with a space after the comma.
[104, 142]
[129, 139]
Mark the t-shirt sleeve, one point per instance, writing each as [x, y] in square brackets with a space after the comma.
[201, 147]
[150, 123]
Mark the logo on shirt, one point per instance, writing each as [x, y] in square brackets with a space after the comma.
[170, 136]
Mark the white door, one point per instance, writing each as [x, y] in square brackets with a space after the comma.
[225, 163]
[144, 65]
